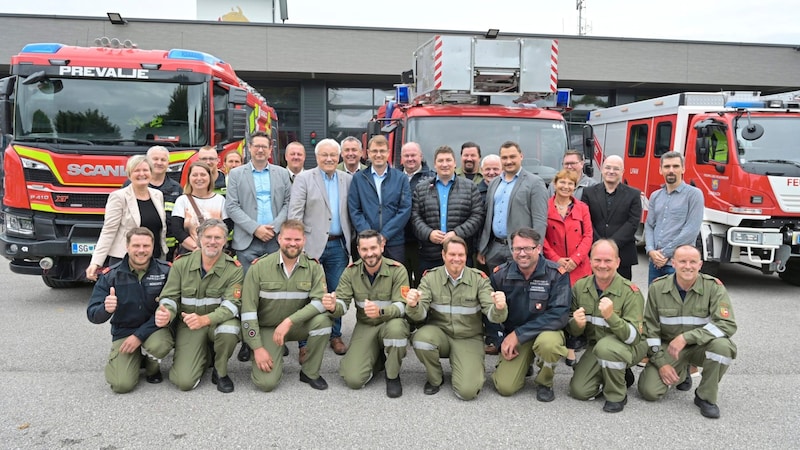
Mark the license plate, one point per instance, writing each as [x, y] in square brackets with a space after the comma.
[82, 249]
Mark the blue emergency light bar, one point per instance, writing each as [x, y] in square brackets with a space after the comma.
[741, 104]
[193, 55]
[563, 97]
[402, 94]
[42, 48]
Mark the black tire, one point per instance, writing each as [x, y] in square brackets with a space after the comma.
[792, 273]
[56, 283]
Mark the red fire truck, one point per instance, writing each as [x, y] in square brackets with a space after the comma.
[73, 116]
[741, 149]
[488, 91]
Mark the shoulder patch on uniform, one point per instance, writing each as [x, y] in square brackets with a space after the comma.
[719, 282]
[634, 287]
[351, 265]
[236, 261]
[105, 270]
[496, 269]
[396, 264]
[483, 274]
[661, 277]
[724, 311]
[425, 272]
[180, 255]
[237, 291]
[253, 262]
[404, 291]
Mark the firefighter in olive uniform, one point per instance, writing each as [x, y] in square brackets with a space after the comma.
[203, 292]
[376, 284]
[688, 321]
[538, 309]
[607, 309]
[283, 301]
[452, 298]
[126, 293]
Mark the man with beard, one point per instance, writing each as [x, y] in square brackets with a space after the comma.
[674, 216]
[381, 332]
[283, 300]
[203, 291]
[470, 162]
[126, 293]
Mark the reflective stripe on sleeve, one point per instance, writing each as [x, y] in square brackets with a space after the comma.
[283, 295]
[208, 301]
[318, 304]
[612, 364]
[319, 332]
[168, 302]
[424, 346]
[632, 335]
[401, 306]
[713, 329]
[684, 320]
[343, 303]
[228, 329]
[380, 303]
[597, 321]
[654, 342]
[395, 342]
[463, 310]
[719, 358]
[250, 316]
[231, 307]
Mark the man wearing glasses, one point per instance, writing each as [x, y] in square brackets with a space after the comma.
[257, 218]
[208, 155]
[573, 161]
[538, 298]
[380, 200]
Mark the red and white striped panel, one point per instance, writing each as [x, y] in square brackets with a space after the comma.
[554, 66]
[437, 62]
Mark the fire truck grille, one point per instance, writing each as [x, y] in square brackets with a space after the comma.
[40, 176]
[80, 200]
[791, 203]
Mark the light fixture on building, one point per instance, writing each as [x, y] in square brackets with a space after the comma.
[116, 18]
[492, 33]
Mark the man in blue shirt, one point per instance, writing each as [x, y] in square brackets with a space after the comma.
[674, 216]
[380, 199]
[444, 206]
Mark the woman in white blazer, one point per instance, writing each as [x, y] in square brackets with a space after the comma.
[132, 206]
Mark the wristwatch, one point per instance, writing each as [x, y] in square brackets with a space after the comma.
[382, 311]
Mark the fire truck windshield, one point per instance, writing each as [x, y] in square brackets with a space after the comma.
[543, 142]
[779, 145]
[108, 112]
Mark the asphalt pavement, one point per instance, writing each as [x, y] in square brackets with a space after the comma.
[54, 394]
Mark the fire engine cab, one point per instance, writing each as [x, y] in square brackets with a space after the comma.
[741, 150]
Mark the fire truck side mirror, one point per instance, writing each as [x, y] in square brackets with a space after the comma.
[237, 125]
[588, 143]
[701, 150]
[373, 129]
[6, 116]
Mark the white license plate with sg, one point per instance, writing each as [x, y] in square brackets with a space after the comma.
[82, 248]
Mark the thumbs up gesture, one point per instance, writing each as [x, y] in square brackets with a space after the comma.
[162, 316]
[111, 301]
[499, 299]
[329, 301]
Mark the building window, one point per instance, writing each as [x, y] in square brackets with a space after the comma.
[286, 101]
[350, 108]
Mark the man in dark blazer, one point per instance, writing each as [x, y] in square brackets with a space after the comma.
[616, 211]
[255, 230]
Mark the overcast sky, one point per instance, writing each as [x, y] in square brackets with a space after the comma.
[757, 21]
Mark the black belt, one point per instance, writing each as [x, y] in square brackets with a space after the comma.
[503, 241]
[335, 238]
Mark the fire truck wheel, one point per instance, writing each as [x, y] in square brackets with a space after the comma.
[792, 273]
[56, 283]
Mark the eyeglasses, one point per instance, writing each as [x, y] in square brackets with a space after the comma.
[260, 146]
[528, 249]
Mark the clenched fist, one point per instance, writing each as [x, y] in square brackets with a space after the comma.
[412, 298]
[329, 301]
[499, 299]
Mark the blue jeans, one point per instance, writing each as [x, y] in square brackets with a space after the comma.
[655, 273]
[334, 260]
[256, 249]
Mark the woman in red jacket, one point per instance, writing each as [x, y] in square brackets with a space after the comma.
[569, 234]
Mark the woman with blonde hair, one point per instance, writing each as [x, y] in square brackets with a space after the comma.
[198, 204]
[136, 205]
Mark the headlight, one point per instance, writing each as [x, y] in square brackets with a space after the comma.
[19, 225]
[743, 237]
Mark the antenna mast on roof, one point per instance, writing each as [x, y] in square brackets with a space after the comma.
[580, 5]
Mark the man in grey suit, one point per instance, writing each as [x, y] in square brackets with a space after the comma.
[514, 200]
[319, 200]
[257, 202]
